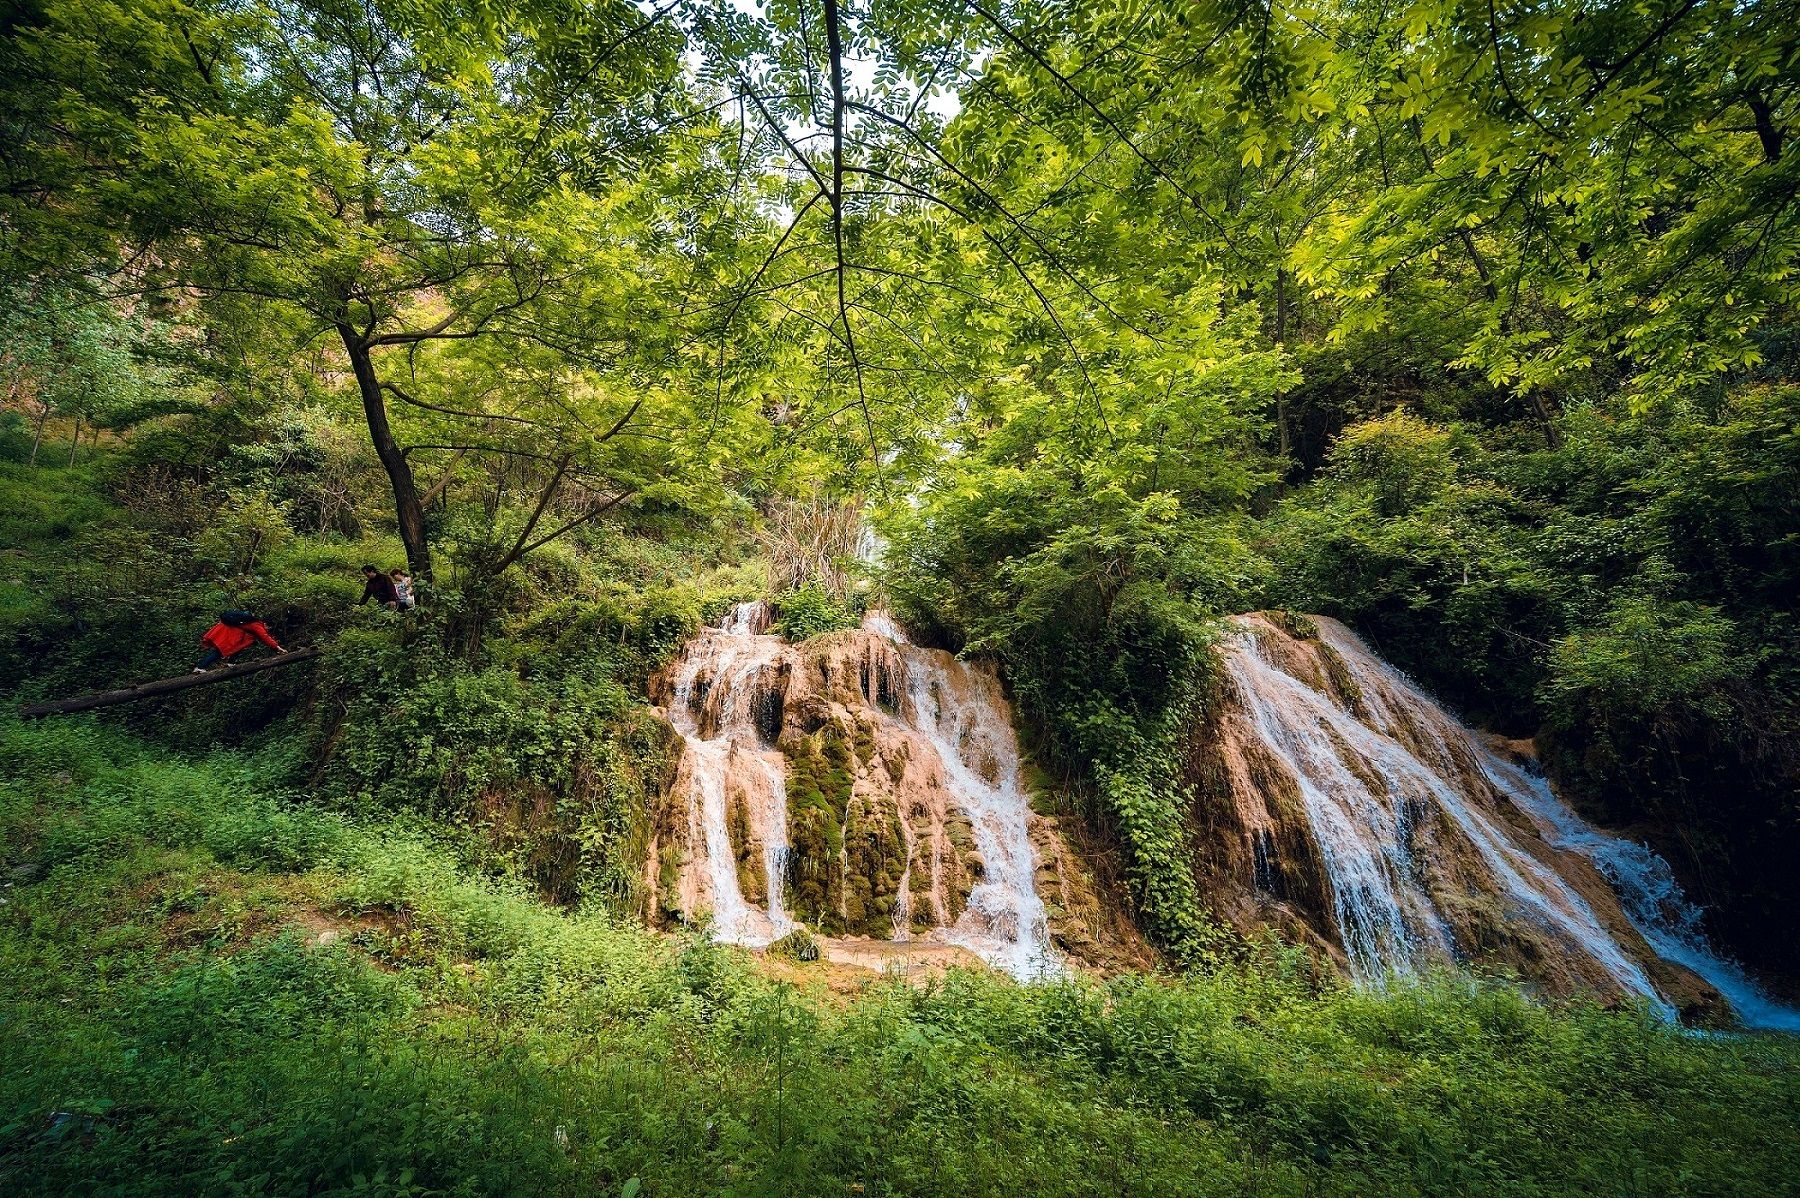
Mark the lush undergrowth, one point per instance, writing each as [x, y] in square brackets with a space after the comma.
[210, 987]
[513, 721]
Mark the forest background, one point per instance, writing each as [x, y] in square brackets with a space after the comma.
[1470, 325]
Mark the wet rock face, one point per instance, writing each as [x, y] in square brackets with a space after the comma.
[862, 787]
[871, 789]
[1337, 803]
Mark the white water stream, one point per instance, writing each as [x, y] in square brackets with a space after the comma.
[1362, 824]
[1371, 781]
[1005, 922]
[1649, 895]
[1363, 821]
[731, 656]
[957, 714]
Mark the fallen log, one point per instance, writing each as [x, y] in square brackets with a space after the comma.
[164, 686]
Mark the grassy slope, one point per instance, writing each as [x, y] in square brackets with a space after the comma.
[170, 1023]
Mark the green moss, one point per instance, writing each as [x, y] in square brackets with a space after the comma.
[875, 856]
[820, 780]
[668, 882]
[895, 762]
[865, 741]
[1338, 673]
[752, 879]
[1295, 624]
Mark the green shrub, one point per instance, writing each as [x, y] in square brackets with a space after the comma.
[810, 611]
[1096, 605]
[552, 772]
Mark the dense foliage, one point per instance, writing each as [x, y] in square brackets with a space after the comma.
[1062, 329]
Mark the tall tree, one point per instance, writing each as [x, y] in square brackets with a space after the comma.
[403, 176]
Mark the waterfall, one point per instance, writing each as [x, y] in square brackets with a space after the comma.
[940, 749]
[729, 659]
[1359, 829]
[882, 625]
[1368, 779]
[957, 711]
[1433, 846]
[1648, 894]
[1357, 814]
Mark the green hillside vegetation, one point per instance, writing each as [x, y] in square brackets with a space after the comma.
[1059, 330]
[212, 986]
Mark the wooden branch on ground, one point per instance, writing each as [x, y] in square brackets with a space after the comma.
[164, 686]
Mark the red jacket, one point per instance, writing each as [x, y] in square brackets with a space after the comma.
[229, 640]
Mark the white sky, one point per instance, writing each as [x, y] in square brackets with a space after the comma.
[859, 72]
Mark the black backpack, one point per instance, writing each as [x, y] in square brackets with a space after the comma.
[237, 619]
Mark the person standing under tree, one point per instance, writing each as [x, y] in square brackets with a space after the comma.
[235, 632]
[403, 588]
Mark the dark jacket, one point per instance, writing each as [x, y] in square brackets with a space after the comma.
[380, 588]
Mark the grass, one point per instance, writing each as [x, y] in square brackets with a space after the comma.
[34, 512]
[209, 987]
[41, 508]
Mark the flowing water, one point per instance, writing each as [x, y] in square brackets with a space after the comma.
[1385, 924]
[1363, 818]
[1375, 762]
[1648, 894]
[1432, 846]
[949, 712]
[714, 685]
[960, 713]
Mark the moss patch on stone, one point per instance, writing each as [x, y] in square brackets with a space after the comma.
[1300, 627]
[875, 859]
[821, 774]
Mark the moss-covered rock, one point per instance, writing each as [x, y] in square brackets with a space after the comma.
[821, 776]
[752, 882]
[874, 861]
[798, 945]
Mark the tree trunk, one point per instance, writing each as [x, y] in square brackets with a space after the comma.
[1546, 415]
[165, 686]
[37, 438]
[1281, 323]
[75, 440]
[1768, 132]
[408, 511]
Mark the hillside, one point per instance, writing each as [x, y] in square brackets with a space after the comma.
[898, 598]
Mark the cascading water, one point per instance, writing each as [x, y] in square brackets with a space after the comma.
[882, 625]
[1005, 922]
[1359, 830]
[729, 658]
[1648, 894]
[1357, 814]
[1370, 772]
[937, 751]
[1434, 847]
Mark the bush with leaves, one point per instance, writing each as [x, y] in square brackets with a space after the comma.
[811, 610]
[552, 772]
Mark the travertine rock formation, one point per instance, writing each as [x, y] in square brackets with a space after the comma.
[1340, 804]
[866, 787]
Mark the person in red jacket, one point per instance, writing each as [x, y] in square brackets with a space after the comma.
[235, 632]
